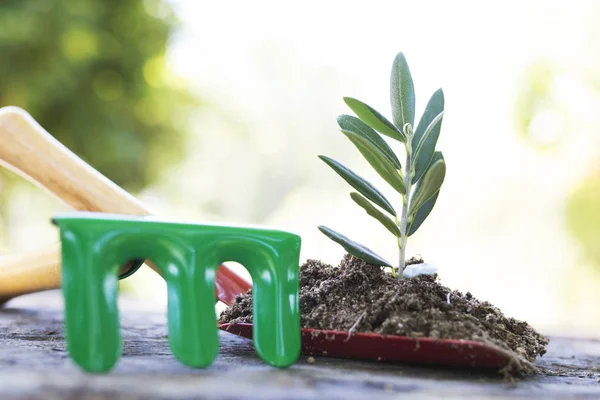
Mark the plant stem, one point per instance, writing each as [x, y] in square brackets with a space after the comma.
[405, 201]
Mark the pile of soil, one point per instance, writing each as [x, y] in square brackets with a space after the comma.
[362, 297]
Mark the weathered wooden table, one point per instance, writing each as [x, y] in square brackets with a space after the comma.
[35, 365]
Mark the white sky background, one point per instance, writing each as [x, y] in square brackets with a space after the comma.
[280, 70]
[274, 74]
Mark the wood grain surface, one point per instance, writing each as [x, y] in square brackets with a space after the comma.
[35, 365]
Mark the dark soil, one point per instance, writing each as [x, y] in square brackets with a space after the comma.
[364, 298]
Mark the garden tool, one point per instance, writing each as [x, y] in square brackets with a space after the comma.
[392, 348]
[94, 245]
[27, 149]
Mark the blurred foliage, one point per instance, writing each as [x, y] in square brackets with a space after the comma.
[534, 96]
[93, 73]
[538, 107]
[541, 99]
[583, 217]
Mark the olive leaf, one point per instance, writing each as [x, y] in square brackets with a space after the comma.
[360, 184]
[424, 144]
[353, 124]
[402, 93]
[374, 119]
[416, 218]
[379, 163]
[375, 213]
[435, 107]
[423, 212]
[357, 250]
[430, 184]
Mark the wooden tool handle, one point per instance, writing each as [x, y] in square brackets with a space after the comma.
[24, 273]
[27, 149]
[30, 151]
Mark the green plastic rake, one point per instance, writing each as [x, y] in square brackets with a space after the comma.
[95, 245]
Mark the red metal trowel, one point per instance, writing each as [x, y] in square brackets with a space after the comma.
[389, 348]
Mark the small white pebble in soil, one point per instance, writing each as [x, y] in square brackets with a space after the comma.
[419, 269]
[310, 360]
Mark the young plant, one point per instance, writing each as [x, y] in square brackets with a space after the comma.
[418, 181]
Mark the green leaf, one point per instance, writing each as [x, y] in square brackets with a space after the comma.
[402, 93]
[430, 184]
[357, 250]
[426, 146]
[422, 213]
[435, 107]
[374, 119]
[353, 124]
[381, 164]
[375, 213]
[416, 219]
[360, 184]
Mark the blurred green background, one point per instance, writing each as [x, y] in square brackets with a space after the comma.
[90, 72]
[216, 112]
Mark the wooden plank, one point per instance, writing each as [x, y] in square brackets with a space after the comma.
[35, 365]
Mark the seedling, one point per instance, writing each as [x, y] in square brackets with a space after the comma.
[418, 181]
